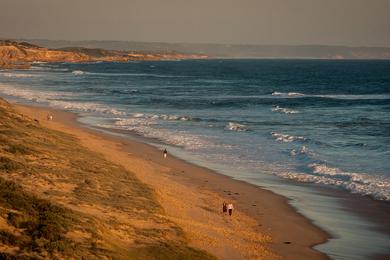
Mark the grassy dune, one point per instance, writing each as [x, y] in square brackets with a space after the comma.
[58, 199]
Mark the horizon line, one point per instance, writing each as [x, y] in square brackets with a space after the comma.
[199, 43]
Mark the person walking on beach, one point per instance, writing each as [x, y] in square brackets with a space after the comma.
[165, 153]
[230, 208]
[224, 207]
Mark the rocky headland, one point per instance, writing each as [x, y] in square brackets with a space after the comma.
[21, 54]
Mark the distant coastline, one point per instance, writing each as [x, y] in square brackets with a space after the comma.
[213, 50]
[20, 55]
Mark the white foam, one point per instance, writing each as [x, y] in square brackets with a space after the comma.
[17, 75]
[284, 110]
[295, 94]
[47, 68]
[32, 95]
[147, 127]
[162, 117]
[78, 72]
[137, 115]
[356, 97]
[116, 74]
[237, 127]
[61, 69]
[332, 96]
[55, 99]
[365, 184]
[303, 150]
[287, 138]
[288, 94]
[85, 107]
[277, 93]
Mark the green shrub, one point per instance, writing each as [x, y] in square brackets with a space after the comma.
[8, 164]
[6, 256]
[8, 238]
[44, 223]
[18, 149]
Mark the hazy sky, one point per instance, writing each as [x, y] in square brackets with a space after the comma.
[335, 22]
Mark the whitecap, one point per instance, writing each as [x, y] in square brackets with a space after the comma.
[237, 127]
[295, 94]
[287, 138]
[302, 151]
[145, 127]
[78, 72]
[138, 115]
[18, 75]
[364, 184]
[85, 107]
[55, 99]
[288, 94]
[165, 117]
[284, 110]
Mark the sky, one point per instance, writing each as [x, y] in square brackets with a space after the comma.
[296, 22]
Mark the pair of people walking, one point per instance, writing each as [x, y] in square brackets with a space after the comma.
[227, 208]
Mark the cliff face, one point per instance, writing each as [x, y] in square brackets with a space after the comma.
[20, 55]
[14, 54]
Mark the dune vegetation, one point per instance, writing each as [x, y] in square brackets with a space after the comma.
[58, 199]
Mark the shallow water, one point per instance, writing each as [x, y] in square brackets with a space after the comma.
[316, 121]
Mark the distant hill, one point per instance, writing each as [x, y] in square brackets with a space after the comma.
[229, 50]
[15, 54]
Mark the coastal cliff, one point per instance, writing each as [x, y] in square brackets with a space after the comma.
[21, 54]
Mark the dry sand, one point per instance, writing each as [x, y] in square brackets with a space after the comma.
[263, 225]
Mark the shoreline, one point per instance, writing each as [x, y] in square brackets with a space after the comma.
[271, 213]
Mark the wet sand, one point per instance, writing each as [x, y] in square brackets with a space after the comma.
[263, 224]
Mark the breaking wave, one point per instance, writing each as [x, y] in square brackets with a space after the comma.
[302, 151]
[288, 94]
[78, 72]
[359, 183]
[144, 127]
[330, 96]
[284, 110]
[32, 95]
[17, 75]
[54, 99]
[86, 107]
[237, 127]
[162, 117]
[116, 74]
[287, 138]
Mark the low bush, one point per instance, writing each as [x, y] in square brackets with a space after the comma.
[44, 224]
[18, 149]
[7, 164]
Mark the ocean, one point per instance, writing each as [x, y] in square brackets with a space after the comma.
[322, 122]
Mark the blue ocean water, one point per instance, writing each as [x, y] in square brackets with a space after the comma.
[319, 121]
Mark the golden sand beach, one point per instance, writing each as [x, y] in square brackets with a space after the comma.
[119, 198]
